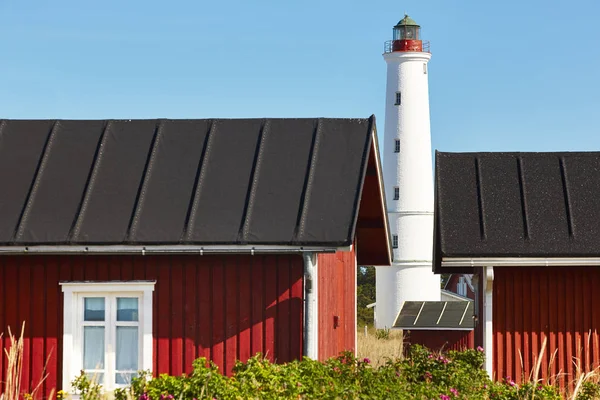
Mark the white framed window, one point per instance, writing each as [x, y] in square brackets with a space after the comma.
[425, 68]
[395, 241]
[396, 146]
[396, 193]
[398, 99]
[107, 331]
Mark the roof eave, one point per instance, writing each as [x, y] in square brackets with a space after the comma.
[474, 262]
[163, 249]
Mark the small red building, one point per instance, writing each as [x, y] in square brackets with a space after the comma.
[527, 225]
[128, 245]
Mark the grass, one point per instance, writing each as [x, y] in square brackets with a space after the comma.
[380, 350]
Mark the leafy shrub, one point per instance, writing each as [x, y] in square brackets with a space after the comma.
[421, 375]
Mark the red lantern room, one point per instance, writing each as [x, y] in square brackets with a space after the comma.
[407, 37]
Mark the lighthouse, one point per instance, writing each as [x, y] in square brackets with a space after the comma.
[408, 175]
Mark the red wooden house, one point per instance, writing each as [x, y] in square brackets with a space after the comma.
[128, 245]
[527, 225]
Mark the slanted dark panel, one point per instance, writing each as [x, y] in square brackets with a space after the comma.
[582, 176]
[457, 314]
[429, 314]
[457, 192]
[279, 182]
[164, 205]
[118, 174]
[332, 196]
[544, 200]
[501, 198]
[224, 181]
[21, 147]
[55, 201]
[409, 312]
[436, 315]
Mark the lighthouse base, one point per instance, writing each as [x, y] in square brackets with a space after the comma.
[397, 284]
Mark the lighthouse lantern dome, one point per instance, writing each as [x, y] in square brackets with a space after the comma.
[407, 29]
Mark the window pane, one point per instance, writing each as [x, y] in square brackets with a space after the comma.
[127, 309]
[93, 309]
[124, 378]
[127, 348]
[97, 377]
[93, 347]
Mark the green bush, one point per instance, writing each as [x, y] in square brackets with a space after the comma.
[420, 375]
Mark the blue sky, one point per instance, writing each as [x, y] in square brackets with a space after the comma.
[510, 75]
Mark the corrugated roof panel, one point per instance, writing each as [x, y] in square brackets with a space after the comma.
[170, 182]
[110, 203]
[340, 154]
[61, 181]
[280, 179]
[22, 144]
[227, 172]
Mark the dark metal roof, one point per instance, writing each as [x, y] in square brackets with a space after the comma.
[441, 315]
[199, 182]
[517, 205]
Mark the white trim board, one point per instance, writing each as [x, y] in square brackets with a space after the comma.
[521, 262]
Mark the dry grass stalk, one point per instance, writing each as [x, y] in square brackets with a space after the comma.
[12, 385]
[379, 351]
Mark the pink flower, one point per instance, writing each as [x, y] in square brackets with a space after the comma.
[454, 391]
[444, 397]
[479, 348]
[366, 360]
[428, 375]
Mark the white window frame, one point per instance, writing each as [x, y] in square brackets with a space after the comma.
[74, 292]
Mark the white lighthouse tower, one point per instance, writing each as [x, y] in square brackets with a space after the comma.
[408, 176]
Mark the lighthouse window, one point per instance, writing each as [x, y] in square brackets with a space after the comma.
[398, 99]
[396, 146]
[424, 68]
[396, 193]
[395, 241]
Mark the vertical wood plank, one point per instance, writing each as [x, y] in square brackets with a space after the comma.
[232, 290]
[205, 304]
[258, 304]
[245, 309]
[297, 297]
[283, 309]
[190, 312]
[38, 322]
[269, 324]
[177, 316]
[164, 316]
[218, 314]
[24, 306]
[53, 329]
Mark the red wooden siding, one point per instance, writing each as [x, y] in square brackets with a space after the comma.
[337, 298]
[556, 304]
[437, 340]
[225, 308]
